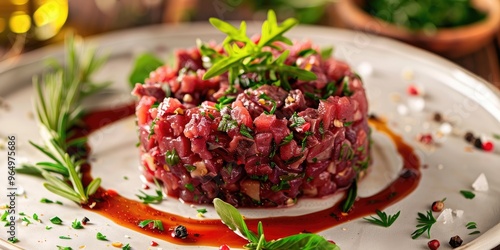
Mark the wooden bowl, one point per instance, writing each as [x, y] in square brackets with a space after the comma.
[450, 42]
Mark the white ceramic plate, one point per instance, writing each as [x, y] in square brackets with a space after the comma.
[469, 102]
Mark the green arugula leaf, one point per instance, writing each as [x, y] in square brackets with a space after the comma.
[233, 219]
[144, 64]
[301, 241]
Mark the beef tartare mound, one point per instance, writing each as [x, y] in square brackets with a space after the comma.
[257, 137]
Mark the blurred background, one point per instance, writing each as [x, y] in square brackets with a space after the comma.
[29, 24]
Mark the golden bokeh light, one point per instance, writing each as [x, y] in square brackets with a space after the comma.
[19, 22]
[19, 2]
[2, 25]
[50, 17]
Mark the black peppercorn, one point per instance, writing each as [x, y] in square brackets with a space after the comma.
[85, 220]
[455, 241]
[469, 137]
[478, 143]
[438, 117]
[180, 231]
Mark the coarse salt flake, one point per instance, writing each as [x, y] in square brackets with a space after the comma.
[445, 128]
[459, 213]
[402, 109]
[445, 216]
[481, 184]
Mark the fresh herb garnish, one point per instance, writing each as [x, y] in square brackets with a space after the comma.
[472, 225]
[234, 220]
[64, 248]
[65, 237]
[265, 97]
[76, 224]
[202, 210]
[224, 101]
[171, 157]
[287, 139]
[352, 194]
[152, 127]
[384, 220]
[296, 120]
[496, 136]
[13, 240]
[4, 216]
[307, 52]
[156, 224]
[35, 216]
[330, 89]
[56, 220]
[304, 140]
[58, 98]
[189, 187]
[255, 58]
[127, 247]
[425, 223]
[100, 236]
[151, 199]
[26, 220]
[467, 194]
[48, 227]
[345, 86]
[245, 131]
[227, 123]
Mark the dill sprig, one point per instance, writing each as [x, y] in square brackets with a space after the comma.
[59, 94]
[425, 223]
[384, 220]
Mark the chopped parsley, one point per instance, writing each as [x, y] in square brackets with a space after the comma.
[330, 90]
[4, 216]
[227, 123]
[100, 236]
[152, 127]
[296, 120]
[171, 157]
[223, 101]
[283, 185]
[157, 224]
[76, 224]
[64, 248]
[245, 131]
[26, 220]
[48, 227]
[190, 168]
[65, 237]
[467, 194]
[267, 98]
[202, 211]
[287, 139]
[345, 87]
[13, 240]
[189, 187]
[56, 220]
[127, 247]
[304, 140]
[47, 201]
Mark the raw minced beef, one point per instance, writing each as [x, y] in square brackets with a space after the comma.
[260, 146]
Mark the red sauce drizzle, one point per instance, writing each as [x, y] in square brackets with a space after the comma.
[208, 232]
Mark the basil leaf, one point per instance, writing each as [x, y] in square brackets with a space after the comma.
[301, 241]
[144, 64]
[233, 219]
[326, 53]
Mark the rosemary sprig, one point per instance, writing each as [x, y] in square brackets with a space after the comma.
[57, 105]
[384, 220]
[425, 223]
[242, 55]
